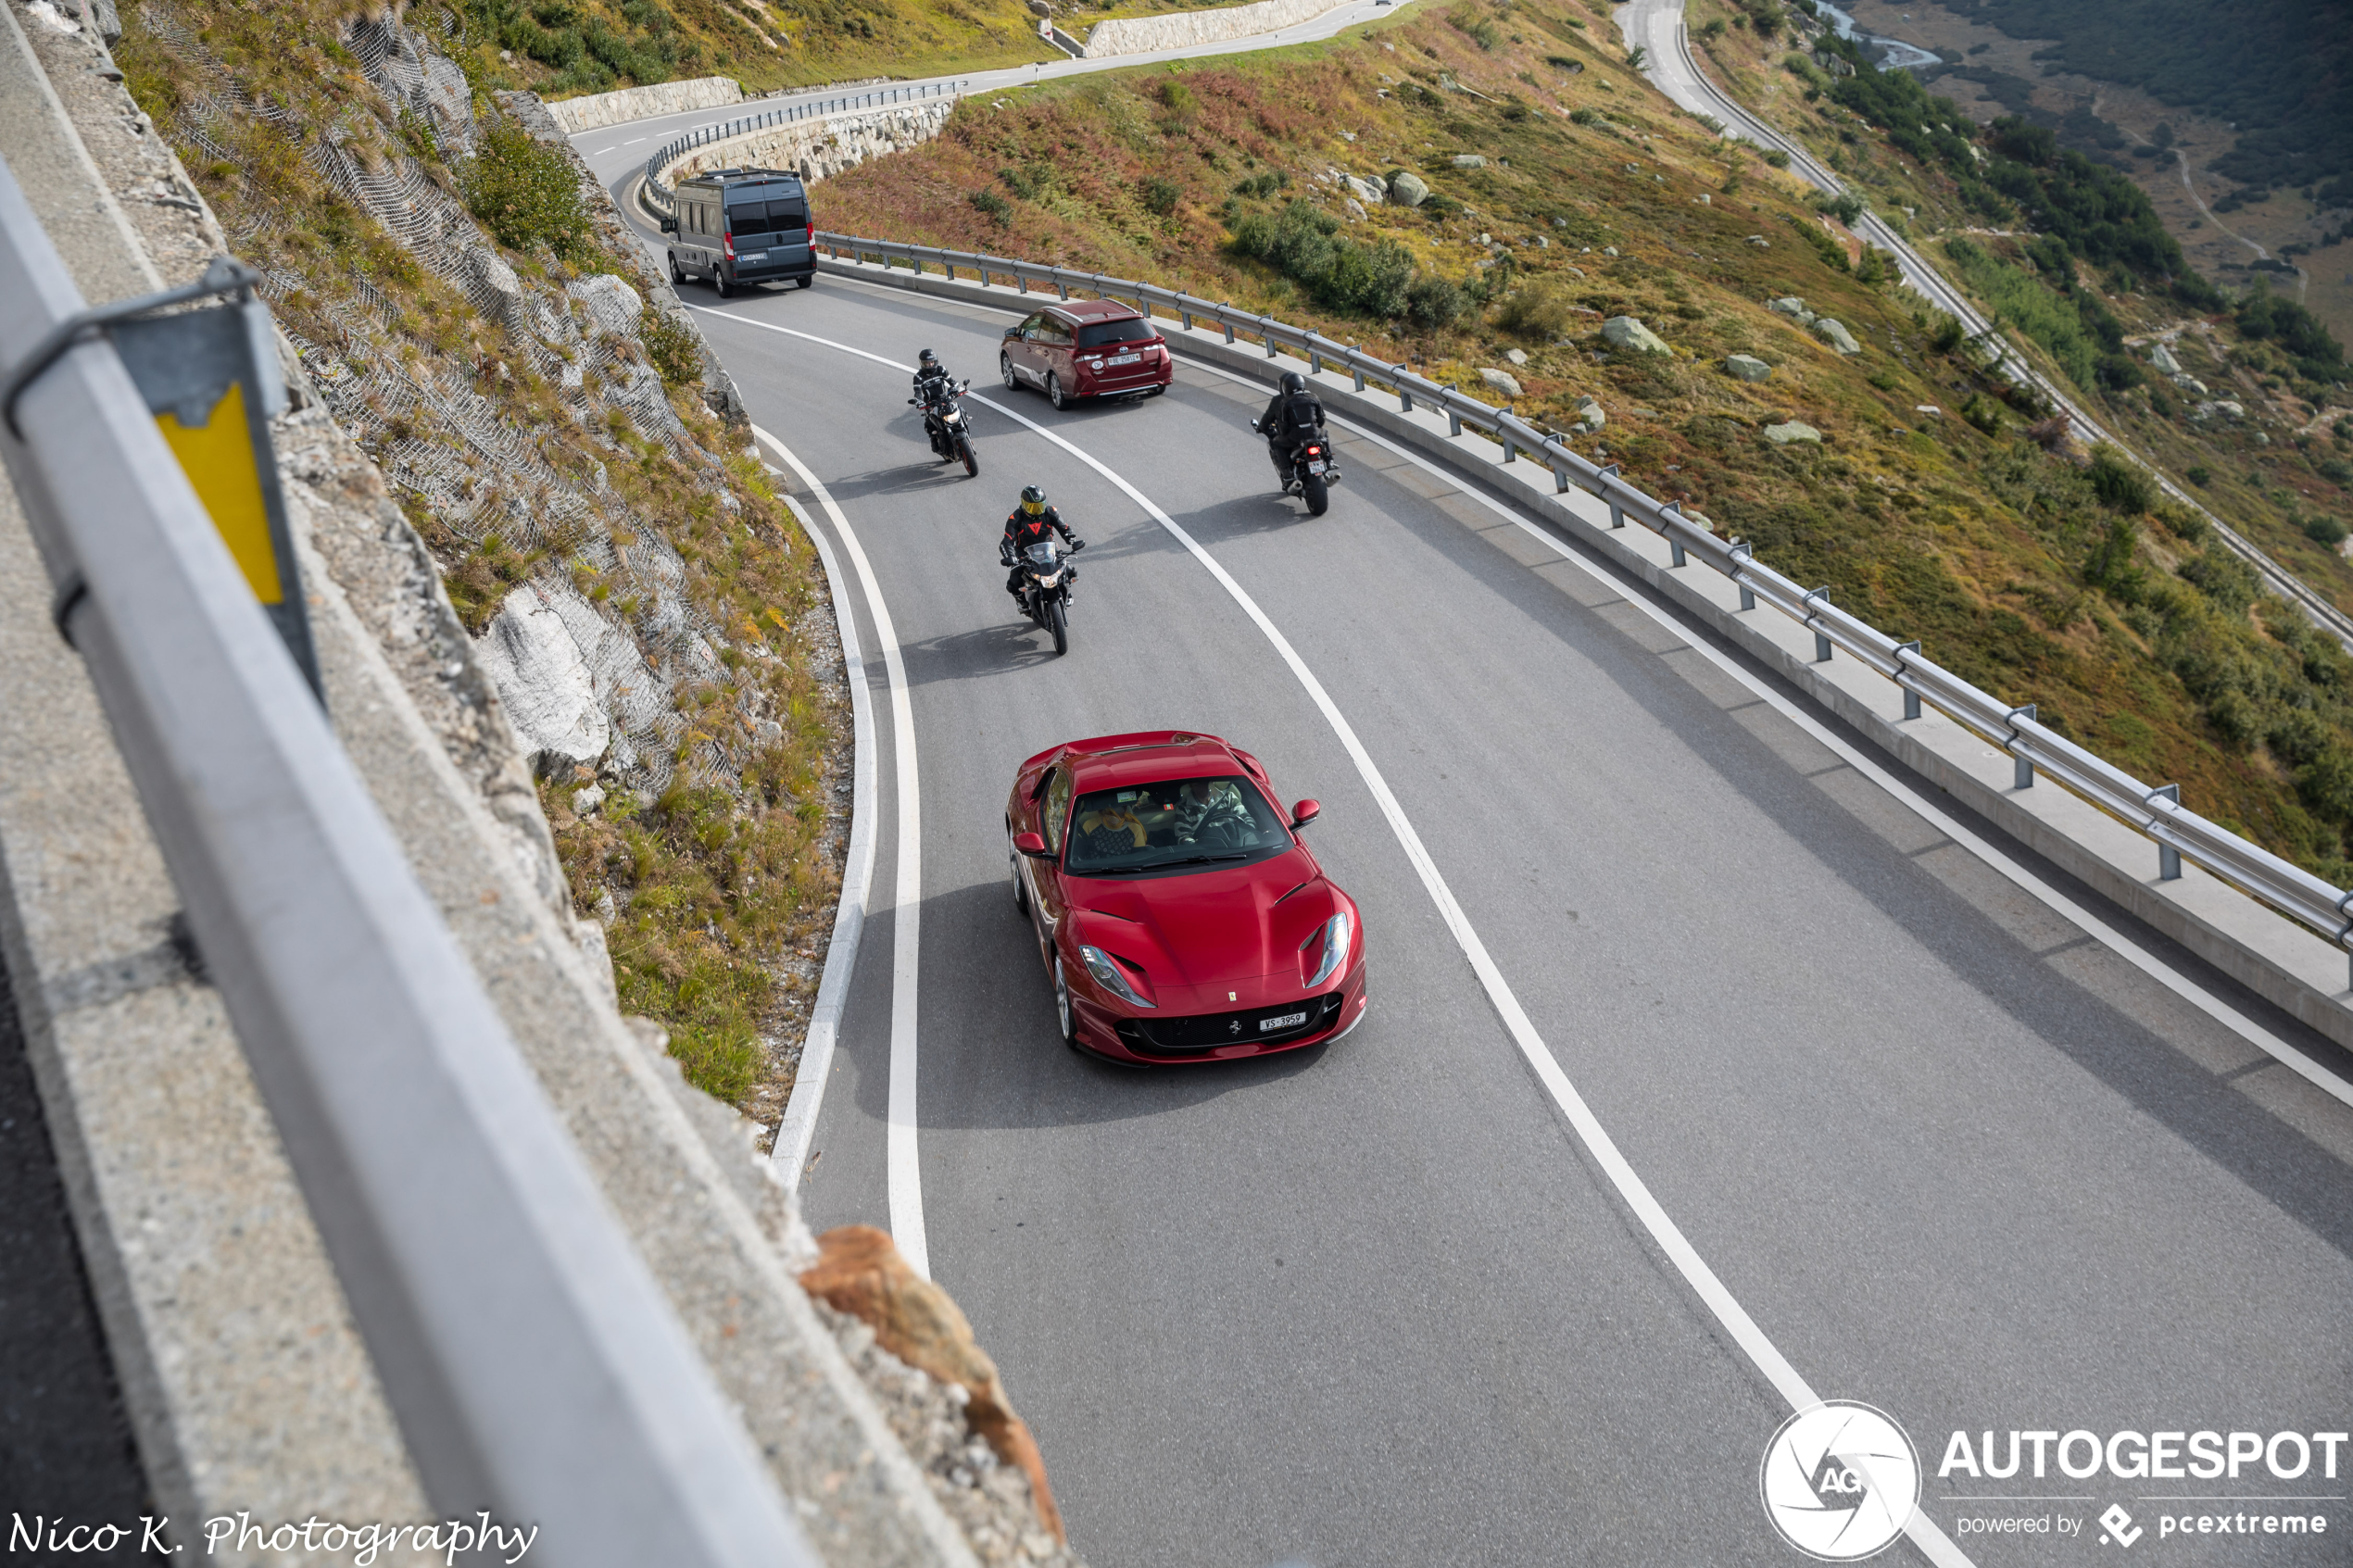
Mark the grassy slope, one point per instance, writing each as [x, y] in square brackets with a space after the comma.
[723, 876]
[1997, 554]
[2259, 481]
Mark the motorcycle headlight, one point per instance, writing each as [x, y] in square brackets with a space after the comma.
[1099, 964]
[1048, 578]
[953, 416]
[1336, 933]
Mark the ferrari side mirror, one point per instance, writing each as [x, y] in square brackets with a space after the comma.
[1029, 843]
[1305, 812]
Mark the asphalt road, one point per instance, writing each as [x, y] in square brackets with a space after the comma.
[1380, 1303]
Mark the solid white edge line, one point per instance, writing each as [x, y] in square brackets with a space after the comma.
[2181, 986]
[901, 1153]
[1669, 1238]
[799, 1127]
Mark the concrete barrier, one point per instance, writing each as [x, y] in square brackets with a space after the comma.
[597, 110]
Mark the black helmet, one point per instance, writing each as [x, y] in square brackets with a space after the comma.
[1032, 499]
[926, 357]
[1293, 382]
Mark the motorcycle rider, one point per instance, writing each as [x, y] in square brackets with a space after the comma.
[932, 383]
[1292, 417]
[1031, 521]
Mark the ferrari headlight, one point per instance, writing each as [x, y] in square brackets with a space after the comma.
[1099, 964]
[1336, 933]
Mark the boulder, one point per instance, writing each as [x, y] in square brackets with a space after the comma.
[1624, 332]
[1502, 380]
[1590, 415]
[1516, 355]
[549, 695]
[2163, 358]
[2222, 407]
[611, 303]
[1747, 367]
[1355, 210]
[2190, 383]
[1836, 333]
[1408, 189]
[1790, 305]
[1370, 192]
[860, 1272]
[1783, 434]
[1469, 160]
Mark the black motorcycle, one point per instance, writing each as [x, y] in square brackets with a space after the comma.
[944, 423]
[1313, 471]
[1045, 587]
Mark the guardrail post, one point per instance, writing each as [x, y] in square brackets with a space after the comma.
[1511, 448]
[1821, 641]
[1674, 546]
[1060, 287]
[1616, 512]
[1315, 362]
[1359, 371]
[1911, 697]
[1560, 480]
[1404, 398]
[1186, 316]
[1453, 423]
[2169, 859]
[2022, 771]
[1228, 325]
[1268, 338]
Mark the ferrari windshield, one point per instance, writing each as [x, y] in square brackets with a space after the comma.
[1192, 823]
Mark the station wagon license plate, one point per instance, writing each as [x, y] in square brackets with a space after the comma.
[1288, 1020]
[1123, 359]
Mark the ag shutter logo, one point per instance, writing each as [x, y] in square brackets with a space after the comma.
[1840, 1481]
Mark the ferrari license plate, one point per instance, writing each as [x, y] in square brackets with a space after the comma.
[1287, 1021]
[1124, 360]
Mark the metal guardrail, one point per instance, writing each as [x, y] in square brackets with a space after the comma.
[537, 1369]
[658, 196]
[2153, 810]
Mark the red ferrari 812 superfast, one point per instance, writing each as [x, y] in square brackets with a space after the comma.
[1180, 915]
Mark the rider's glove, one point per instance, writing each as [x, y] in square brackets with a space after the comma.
[1076, 544]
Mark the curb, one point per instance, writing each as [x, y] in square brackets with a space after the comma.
[2279, 960]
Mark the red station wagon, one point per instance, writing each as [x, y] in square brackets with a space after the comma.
[1087, 348]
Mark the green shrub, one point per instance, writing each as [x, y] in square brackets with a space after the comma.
[1947, 334]
[1776, 157]
[672, 346]
[1434, 302]
[1844, 206]
[991, 204]
[2200, 475]
[1535, 314]
[1304, 245]
[1160, 195]
[525, 193]
[2119, 486]
[1585, 117]
[2323, 529]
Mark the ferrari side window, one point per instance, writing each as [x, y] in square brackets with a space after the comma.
[1057, 809]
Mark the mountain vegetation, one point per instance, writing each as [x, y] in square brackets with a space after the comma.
[1942, 504]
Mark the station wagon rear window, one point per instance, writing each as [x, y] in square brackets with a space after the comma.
[1097, 333]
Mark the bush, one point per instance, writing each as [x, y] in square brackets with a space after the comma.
[2119, 486]
[2200, 475]
[1776, 157]
[2323, 529]
[1304, 245]
[1585, 117]
[992, 205]
[1984, 412]
[1947, 334]
[1160, 195]
[1535, 314]
[1434, 302]
[525, 193]
[672, 346]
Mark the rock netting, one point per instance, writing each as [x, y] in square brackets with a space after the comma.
[820, 148]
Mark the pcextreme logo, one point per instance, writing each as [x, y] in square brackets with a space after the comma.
[1840, 1481]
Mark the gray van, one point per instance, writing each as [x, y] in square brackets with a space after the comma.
[737, 226]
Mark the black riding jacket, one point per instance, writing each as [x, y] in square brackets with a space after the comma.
[1290, 419]
[1023, 530]
[924, 380]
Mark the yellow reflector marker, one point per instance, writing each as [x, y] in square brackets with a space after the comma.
[218, 458]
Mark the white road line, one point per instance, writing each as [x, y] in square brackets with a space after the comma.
[793, 1133]
[1669, 1238]
[899, 1148]
[602, 151]
[632, 142]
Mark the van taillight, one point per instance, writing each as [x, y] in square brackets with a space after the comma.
[729, 242]
[810, 238]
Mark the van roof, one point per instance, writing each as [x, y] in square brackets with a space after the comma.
[733, 179]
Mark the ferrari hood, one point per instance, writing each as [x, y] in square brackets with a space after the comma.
[1210, 929]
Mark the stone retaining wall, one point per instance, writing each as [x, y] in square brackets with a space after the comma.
[1144, 36]
[821, 148]
[601, 109]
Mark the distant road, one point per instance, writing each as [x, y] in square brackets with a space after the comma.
[1656, 27]
[612, 141]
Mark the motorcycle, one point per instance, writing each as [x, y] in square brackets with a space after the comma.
[1045, 587]
[944, 423]
[1313, 470]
